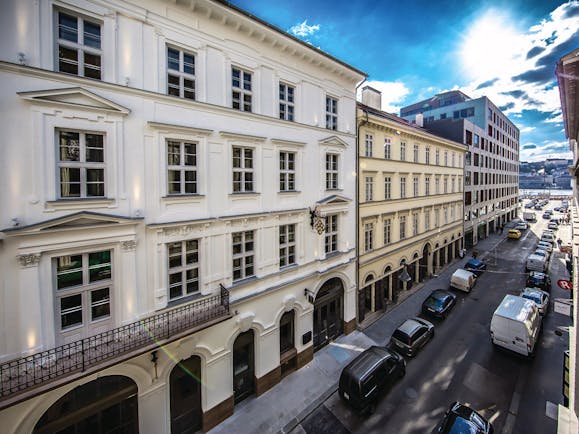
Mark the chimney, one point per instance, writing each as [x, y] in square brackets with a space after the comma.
[372, 97]
[419, 120]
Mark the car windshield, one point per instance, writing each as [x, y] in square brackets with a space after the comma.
[533, 297]
[462, 426]
[540, 252]
[402, 337]
[434, 302]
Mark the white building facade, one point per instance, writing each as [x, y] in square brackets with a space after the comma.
[178, 219]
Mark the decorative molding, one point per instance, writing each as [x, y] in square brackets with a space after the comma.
[29, 259]
[179, 128]
[129, 246]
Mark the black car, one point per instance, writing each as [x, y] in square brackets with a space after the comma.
[462, 419]
[366, 377]
[439, 303]
[536, 279]
[475, 266]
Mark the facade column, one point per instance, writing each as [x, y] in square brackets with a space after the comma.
[29, 303]
[128, 297]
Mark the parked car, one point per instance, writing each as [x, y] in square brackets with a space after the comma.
[550, 238]
[542, 252]
[439, 303]
[462, 419]
[553, 225]
[522, 226]
[536, 263]
[475, 266]
[545, 246]
[547, 215]
[554, 220]
[537, 279]
[462, 280]
[540, 297]
[365, 378]
[411, 335]
[514, 234]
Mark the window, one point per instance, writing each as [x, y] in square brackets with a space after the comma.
[387, 187]
[331, 171]
[287, 171]
[387, 231]
[445, 210]
[287, 245]
[427, 155]
[331, 113]
[180, 73]
[331, 237]
[437, 185]
[452, 160]
[416, 150]
[286, 332]
[427, 186]
[415, 224]
[427, 220]
[368, 236]
[242, 254]
[387, 149]
[181, 167]
[402, 227]
[446, 158]
[79, 46]
[81, 165]
[445, 184]
[241, 89]
[369, 188]
[183, 268]
[437, 157]
[242, 170]
[402, 151]
[286, 102]
[436, 218]
[83, 289]
[402, 187]
[369, 144]
[415, 186]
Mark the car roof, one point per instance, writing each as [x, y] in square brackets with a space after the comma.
[440, 293]
[364, 363]
[537, 274]
[474, 262]
[409, 326]
[534, 291]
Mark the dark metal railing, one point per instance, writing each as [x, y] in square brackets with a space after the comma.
[80, 356]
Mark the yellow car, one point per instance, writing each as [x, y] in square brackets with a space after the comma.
[514, 234]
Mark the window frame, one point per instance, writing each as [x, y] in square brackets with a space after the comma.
[286, 104]
[332, 170]
[331, 234]
[182, 168]
[243, 170]
[368, 236]
[181, 74]
[183, 269]
[245, 256]
[369, 188]
[287, 175]
[387, 148]
[287, 245]
[369, 145]
[331, 113]
[240, 89]
[387, 235]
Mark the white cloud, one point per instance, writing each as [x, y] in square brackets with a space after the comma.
[302, 30]
[393, 93]
[527, 129]
[557, 119]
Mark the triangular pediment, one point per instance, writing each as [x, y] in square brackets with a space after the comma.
[333, 141]
[79, 220]
[334, 199]
[74, 97]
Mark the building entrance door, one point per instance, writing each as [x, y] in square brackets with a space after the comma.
[243, 366]
[185, 379]
[328, 314]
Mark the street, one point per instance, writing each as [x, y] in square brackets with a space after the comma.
[516, 394]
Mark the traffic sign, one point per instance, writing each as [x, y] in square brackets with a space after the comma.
[565, 284]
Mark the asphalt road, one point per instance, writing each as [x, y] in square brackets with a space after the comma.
[516, 394]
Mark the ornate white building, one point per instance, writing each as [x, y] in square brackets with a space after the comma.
[177, 220]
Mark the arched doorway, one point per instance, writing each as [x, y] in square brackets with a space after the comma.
[185, 389]
[387, 285]
[243, 366]
[423, 264]
[107, 404]
[328, 312]
[366, 301]
[287, 350]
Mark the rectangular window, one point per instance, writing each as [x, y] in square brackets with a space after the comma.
[415, 224]
[446, 158]
[81, 165]
[331, 236]
[436, 218]
[437, 184]
[287, 245]
[287, 171]
[183, 268]
[437, 157]
[180, 73]
[427, 186]
[445, 184]
[241, 89]
[243, 250]
[402, 227]
[181, 167]
[415, 186]
[402, 187]
[242, 163]
[331, 171]
[387, 187]
[387, 231]
[387, 149]
[369, 188]
[331, 113]
[369, 144]
[427, 220]
[402, 151]
[79, 46]
[368, 236]
[416, 151]
[83, 289]
[427, 155]
[286, 102]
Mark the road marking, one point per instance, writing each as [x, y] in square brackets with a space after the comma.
[551, 410]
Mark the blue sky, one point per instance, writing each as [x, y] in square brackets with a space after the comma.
[414, 49]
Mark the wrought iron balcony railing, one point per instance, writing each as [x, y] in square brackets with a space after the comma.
[82, 357]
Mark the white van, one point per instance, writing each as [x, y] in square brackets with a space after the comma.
[462, 280]
[516, 324]
[550, 238]
[536, 263]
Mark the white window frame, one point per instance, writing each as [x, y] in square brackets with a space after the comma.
[182, 168]
[387, 231]
[427, 220]
[387, 149]
[369, 190]
[387, 187]
[369, 145]
[184, 89]
[82, 165]
[246, 182]
[287, 245]
[427, 186]
[241, 89]
[402, 230]
[287, 170]
[287, 94]
[402, 187]
[243, 258]
[402, 151]
[332, 164]
[416, 152]
[415, 186]
[437, 157]
[331, 113]
[79, 46]
[188, 256]
[427, 155]
[415, 224]
[368, 236]
[331, 234]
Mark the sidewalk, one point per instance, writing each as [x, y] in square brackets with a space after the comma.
[282, 408]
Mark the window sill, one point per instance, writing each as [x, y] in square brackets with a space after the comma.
[185, 299]
[289, 192]
[177, 198]
[244, 194]
[81, 203]
[334, 189]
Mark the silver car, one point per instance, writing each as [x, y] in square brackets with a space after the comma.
[411, 335]
[540, 297]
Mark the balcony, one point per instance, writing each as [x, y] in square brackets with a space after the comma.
[29, 376]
